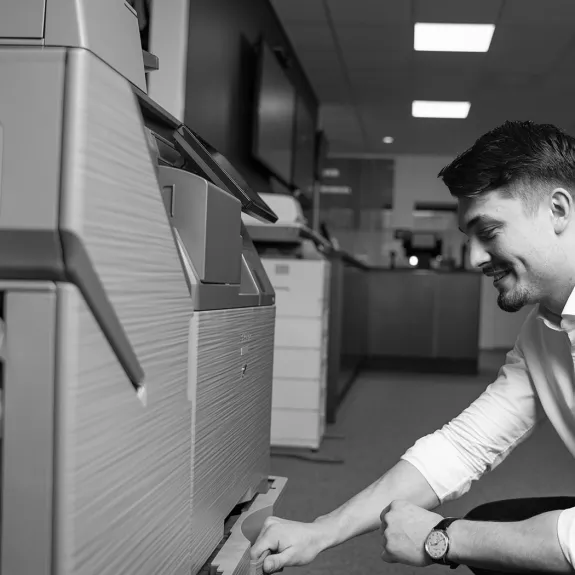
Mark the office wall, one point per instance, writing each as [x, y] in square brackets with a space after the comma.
[416, 181]
[358, 219]
[370, 182]
[221, 72]
[365, 221]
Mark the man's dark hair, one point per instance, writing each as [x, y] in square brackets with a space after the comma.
[520, 158]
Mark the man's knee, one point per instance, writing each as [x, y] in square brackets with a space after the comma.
[518, 509]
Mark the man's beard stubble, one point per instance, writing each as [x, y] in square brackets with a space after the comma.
[513, 301]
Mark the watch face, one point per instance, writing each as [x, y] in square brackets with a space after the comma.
[436, 544]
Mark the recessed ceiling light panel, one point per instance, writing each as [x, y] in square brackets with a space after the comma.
[433, 109]
[429, 37]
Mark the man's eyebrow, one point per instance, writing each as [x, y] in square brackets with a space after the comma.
[470, 224]
[480, 219]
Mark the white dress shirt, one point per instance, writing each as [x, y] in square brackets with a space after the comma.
[537, 381]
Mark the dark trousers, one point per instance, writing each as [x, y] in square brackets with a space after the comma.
[516, 510]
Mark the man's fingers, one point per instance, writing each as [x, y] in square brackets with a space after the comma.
[384, 513]
[276, 563]
[387, 557]
[264, 542]
[261, 546]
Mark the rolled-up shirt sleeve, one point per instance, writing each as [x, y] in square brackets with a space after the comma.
[483, 435]
[566, 534]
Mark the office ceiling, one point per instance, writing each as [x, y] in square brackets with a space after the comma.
[359, 57]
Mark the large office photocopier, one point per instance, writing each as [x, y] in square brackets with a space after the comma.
[137, 321]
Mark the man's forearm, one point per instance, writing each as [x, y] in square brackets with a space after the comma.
[530, 545]
[361, 513]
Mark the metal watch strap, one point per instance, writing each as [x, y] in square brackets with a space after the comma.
[442, 526]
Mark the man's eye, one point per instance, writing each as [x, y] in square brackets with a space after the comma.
[487, 235]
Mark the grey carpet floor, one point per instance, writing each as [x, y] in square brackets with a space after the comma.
[382, 416]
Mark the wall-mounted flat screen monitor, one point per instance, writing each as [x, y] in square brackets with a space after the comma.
[321, 153]
[304, 149]
[274, 116]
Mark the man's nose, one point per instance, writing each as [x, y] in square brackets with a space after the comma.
[478, 256]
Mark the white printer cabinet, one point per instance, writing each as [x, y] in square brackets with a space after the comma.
[300, 352]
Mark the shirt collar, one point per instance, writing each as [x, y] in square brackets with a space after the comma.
[559, 322]
[569, 309]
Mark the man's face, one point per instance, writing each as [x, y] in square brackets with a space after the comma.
[512, 245]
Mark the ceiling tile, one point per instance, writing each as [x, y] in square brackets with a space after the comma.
[385, 89]
[299, 10]
[540, 104]
[383, 96]
[492, 107]
[504, 81]
[527, 73]
[326, 76]
[380, 78]
[376, 48]
[310, 36]
[457, 11]
[529, 48]
[558, 82]
[375, 62]
[320, 61]
[338, 115]
[564, 64]
[448, 62]
[331, 90]
[445, 76]
[370, 12]
[431, 84]
[341, 122]
[546, 12]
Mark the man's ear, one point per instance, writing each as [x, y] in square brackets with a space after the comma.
[562, 209]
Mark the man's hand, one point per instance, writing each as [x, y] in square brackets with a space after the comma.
[291, 543]
[404, 529]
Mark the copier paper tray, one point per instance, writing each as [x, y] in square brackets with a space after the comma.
[232, 557]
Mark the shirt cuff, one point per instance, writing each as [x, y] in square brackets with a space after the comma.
[566, 534]
[437, 459]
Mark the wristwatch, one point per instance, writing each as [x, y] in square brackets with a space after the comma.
[437, 543]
